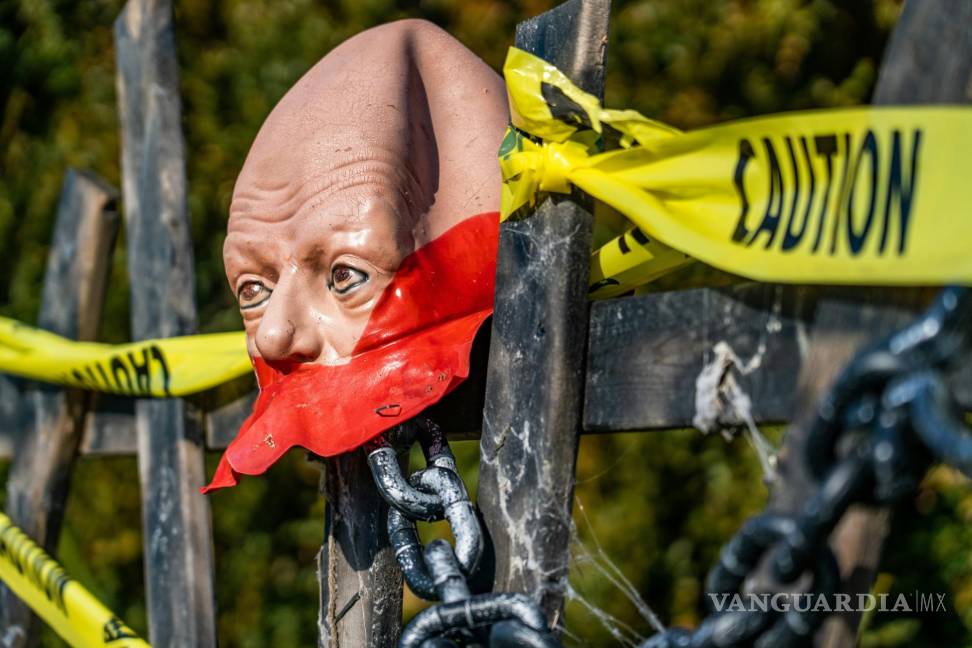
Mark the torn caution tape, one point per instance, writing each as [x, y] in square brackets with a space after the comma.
[869, 195]
[63, 603]
[167, 367]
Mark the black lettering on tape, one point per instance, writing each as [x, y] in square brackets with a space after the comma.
[623, 245]
[841, 194]
[104, 376]
[118, 367]
[639, 236]
[901, 191]
[34, 565]
[91, 375]
[159, 356]
[856, 239]
[792, 236]
[115, 629]
[78, 376]
[826, 146]
[774, 204]
[745, 154]
[143, 377]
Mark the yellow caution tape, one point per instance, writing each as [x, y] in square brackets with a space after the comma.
[168, 367]
[858, 196]
[63, 603]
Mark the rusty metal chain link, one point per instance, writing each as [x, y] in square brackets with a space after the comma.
[439, 572]
[888, 417]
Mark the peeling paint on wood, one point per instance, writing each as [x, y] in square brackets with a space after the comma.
[535, 383]
[361, 584]
[50, 419]
[177, 529]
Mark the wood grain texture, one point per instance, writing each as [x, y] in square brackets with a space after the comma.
[361, 584]
[177, 530]
[11, 403]
[638, 369]
[225, 408]
[51, 418]
[929, 60]
[535, 384]
[646, 353]
[109, 427]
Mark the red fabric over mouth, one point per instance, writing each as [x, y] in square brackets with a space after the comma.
[414, 350]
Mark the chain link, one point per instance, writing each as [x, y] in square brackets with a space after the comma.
[888, 417]
[439, 572]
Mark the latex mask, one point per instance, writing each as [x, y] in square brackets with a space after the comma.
[361, 241]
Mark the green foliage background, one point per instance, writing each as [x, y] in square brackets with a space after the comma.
[658, 506]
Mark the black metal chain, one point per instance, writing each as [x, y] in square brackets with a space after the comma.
[439, 572]
[889, 416]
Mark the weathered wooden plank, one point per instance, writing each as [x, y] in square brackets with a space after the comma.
[51, 418]
[109, 427]
[11, 397]
[535, 383]
[178, 539]
[645, 353]
[225, 408]
[361, 584]
[929, 60]
[638, 370]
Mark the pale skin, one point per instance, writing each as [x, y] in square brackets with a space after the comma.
[381, 147]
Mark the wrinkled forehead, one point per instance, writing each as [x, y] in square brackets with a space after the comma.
[403, 112]
[348, 188]
[349, 120]
[363, 216]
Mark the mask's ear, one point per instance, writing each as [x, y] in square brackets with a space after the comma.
[457, 116]
[406, 99]
[423, 151]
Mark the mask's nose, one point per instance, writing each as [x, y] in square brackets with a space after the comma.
[288, 334]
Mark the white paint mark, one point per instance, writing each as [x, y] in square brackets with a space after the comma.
[14, 635]
[722, 404]
[803, 340]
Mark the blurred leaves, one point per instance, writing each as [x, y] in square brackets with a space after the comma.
[658, 505]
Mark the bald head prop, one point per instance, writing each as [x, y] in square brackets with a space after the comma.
[361, 241]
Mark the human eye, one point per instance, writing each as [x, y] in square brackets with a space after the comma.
[252, 294]
[344, 278]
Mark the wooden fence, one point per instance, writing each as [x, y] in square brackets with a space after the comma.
[552, 367]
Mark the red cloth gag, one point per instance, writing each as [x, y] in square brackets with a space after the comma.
[414, 350]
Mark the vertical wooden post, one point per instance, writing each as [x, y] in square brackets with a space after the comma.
[52, 418]
[178, 537]
[534, 389]
[361, 584]
[929, 60]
